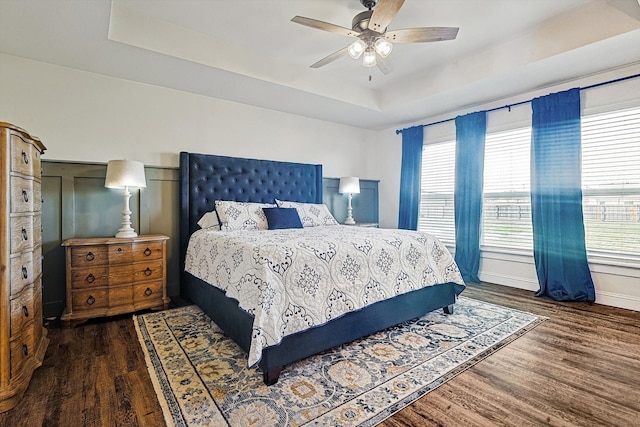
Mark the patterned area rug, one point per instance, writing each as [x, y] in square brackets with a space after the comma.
[201, 376]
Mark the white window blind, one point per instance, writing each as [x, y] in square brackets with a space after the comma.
[506, 209]
[611, 181]
[436, 190]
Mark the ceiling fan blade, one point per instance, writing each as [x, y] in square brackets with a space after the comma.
[383, 14]
[324, 26]
[421, 35]
[328, 59]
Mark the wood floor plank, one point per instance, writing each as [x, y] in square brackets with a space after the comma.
[581, 367]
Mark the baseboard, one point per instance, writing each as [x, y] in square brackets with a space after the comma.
[506, 280]
[613, 299]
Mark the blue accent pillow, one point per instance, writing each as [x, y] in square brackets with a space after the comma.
[279, 218]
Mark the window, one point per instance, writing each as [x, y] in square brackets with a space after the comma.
[611, 181]
[506, 204]
[436, 190]
[610, 187]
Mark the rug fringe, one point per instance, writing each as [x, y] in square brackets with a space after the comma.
[168, 418]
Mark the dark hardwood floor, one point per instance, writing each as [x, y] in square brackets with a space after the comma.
[580, 367]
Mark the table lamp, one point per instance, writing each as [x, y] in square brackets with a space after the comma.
[125, 174]
[349, 185]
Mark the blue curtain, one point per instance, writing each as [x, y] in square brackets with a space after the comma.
[410, 175]
[471, 130]
[556, 199]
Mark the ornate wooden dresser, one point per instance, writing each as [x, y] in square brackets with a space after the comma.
[23, 340]
[109, 275]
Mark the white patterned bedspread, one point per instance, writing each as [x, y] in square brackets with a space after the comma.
[293, 279]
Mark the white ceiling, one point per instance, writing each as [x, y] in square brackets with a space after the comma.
[248, 50]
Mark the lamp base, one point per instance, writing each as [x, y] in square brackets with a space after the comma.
[349, 221]
[125, 233]
[126, 230]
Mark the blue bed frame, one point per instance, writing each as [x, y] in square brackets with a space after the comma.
[205, 178]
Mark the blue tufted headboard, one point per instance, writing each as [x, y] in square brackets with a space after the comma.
[205, 178]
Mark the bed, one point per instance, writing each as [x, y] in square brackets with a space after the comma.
[206, 178]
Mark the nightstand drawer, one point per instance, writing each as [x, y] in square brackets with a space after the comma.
[89, 277]
[90, 299]
[147, 251]
[85, 256]
[120, 254]
[147, 294]
[147, 271]
[120, 296]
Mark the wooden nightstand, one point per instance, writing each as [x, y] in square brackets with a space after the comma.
[108, 276]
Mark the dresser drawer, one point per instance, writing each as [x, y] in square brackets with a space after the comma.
[89, 277]
[22, 310]
[89, 256]
[21, 233]
[120, 253]
[120, 296]
[21, 195]
[147, 251]
[22, 157]
[147, 271]
[90, 299]
[121, 275]
[24, 270]
[36, 226]
[22, 349]
[147, 295]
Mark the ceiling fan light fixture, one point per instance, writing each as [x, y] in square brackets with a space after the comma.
[369, 58]
[383, 47]
[356, 49]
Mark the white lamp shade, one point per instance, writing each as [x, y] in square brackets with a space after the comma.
[369, 58]
[356, 48]
[349, 184]
[125, 173]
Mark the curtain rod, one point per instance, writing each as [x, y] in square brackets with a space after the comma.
[398, 131]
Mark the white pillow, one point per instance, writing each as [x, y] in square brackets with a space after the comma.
[242, 215]
[311, 214]
[210, 219]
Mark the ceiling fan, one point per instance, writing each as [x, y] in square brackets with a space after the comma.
[374, 43]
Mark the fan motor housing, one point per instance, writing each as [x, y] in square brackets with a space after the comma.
[361, 21]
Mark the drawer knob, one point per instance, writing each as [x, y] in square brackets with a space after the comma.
[147, 252]
[25, 273]
[25, 311]
[148, 291]
[25, 349]
[25, 236]
[148, 272]
[90, 256]
[119, 249]
[90, 278]
[91, 300]
[25, 158]
[25, 196]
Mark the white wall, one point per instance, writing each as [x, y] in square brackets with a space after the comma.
[617, 285]
[82, 116]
